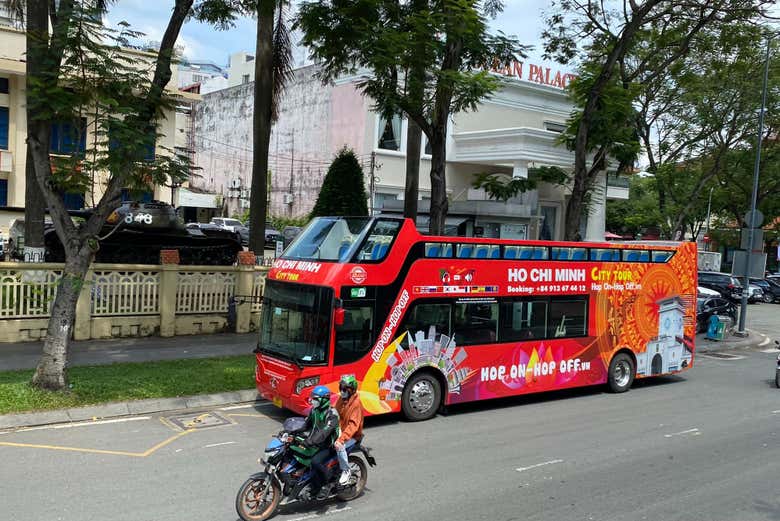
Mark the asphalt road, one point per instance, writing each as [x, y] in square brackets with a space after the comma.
[701, 446]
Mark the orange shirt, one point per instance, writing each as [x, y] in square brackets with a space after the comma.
[350, 418]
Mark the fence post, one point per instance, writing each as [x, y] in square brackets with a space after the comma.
[169, 279]
[82, 329]
[244, 285]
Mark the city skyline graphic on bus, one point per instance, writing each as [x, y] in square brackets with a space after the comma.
[425, 351]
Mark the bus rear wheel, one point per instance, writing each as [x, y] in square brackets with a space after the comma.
[421, 397]
[621, 373]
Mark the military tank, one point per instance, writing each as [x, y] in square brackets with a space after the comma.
[136, 232]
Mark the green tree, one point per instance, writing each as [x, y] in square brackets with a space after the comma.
[639, 212]
[625, 43]
[343, 191]
[704, 118]
[82, 70]
[426, 59]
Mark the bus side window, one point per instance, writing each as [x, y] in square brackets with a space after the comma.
[523, 320]
[662, 256]
[568, 317]
[354, 336]
[475, 323]
[425, 318]
[464, 251]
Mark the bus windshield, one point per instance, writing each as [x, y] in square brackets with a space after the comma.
[295, 322]
[336, 239]
[326, 238]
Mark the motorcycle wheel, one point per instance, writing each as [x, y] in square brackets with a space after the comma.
[253, 503]
[359, 474]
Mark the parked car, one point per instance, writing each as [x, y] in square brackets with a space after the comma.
[227, 223]
[233, 225]
[290, 232]
[727, 285]
[755, 293]
[707, 292]
[771, 289]
[709, 306]
[271, 236]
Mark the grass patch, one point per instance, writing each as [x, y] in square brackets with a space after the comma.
[129, 381]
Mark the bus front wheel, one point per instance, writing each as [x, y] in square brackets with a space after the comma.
[421, 397]
[621, 373]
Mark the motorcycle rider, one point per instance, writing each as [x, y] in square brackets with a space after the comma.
[350, 422]
[323, 425]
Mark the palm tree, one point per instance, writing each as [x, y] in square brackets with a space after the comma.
[273, 69]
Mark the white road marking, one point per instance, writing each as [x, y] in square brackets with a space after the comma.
[693, 432]
[770, 350]
[234, 407]
[776, 412]
[327, 513]
[551, 462]
[218, 444]
[82, 424]
[765, 342]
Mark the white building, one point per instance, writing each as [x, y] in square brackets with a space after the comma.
[513, 132]
[241, 69]
[191, 72]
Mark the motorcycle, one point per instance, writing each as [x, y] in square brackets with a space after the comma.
[287, 474]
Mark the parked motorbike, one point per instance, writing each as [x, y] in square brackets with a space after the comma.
[287, 474]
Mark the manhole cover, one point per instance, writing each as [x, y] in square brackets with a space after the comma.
[197, 420]
[723, 356]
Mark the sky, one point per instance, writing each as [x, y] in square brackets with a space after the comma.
[522, 18]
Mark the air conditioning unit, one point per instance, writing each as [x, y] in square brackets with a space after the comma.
[235, 184]
[287, 198]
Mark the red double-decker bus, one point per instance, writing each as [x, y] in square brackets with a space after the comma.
[425, 321]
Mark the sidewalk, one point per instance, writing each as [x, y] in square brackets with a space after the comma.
[25, 355]
[753, 340]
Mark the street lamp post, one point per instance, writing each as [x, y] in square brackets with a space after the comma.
[754, 197]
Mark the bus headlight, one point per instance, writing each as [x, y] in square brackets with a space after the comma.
[303, 383]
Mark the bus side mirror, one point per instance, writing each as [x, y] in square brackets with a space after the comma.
[338, 316]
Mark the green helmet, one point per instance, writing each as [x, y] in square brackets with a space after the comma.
[349, 383]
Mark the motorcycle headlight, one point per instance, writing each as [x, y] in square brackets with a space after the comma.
[303, 383]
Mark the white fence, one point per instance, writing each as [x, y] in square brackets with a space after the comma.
[131, 300]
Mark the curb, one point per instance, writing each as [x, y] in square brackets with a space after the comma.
[118, 409]
[754, 339]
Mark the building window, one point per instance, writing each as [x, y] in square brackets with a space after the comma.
[4, 128]
[549, 222]
[3, 192]
[67, 138]
[245, 78]
[554, 127]
[427, 149]
[135, 195]
[149, 148]
[390, 133]
[73, 201]
[3, 85]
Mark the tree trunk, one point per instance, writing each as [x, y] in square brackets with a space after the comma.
[36, 36]
[51, 372]
[439, 204]
[34, 212]
[261, 124]
[411, 190]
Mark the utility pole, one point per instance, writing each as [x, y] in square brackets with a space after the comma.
[292, 170]
[754, 198]
[371, 183]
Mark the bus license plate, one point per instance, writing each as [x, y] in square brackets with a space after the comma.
[277, 401]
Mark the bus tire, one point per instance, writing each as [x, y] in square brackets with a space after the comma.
[421, 397]
[621, 373]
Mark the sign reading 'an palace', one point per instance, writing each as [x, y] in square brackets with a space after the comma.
[534, 73]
